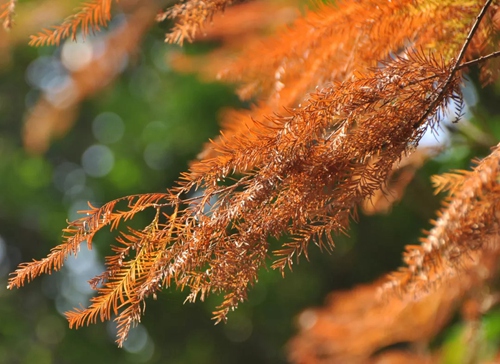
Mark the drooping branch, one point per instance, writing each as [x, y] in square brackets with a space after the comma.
[306, 180]
[308, 176]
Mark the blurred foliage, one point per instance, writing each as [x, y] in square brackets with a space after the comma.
[166, 117]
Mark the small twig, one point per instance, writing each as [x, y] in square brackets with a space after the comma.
[460, 67]
[478, 60]
[472, 31]
[457, 65]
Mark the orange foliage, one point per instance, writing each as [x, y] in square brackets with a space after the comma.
[332, 43]
[343, 98]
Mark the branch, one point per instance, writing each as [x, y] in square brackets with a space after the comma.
[89, 18]
[478, 60]
[84, 229]
[456, 66]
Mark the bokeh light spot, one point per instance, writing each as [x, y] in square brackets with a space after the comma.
[108, 127]
[75, 56]
[98, 160]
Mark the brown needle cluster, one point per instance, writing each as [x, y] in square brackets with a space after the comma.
[307, 178]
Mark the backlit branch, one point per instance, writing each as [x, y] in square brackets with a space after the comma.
[83, 230]
[89, 18]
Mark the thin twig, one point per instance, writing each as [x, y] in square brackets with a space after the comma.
[478, 60]
[470, 35]
[457, 65]
[460, 67]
